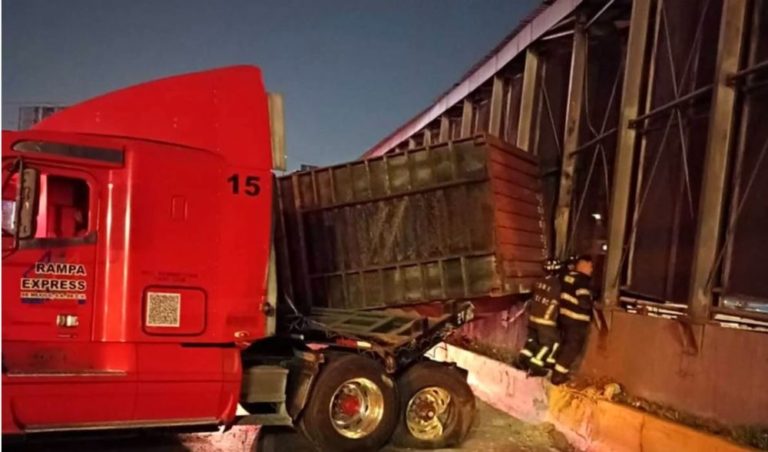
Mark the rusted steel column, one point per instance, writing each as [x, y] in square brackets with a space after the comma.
[719, 140]
[466, 119]
[427, 137]
[445, 129]
[571, 140]
[497, 102]
[528, 101]
[625, 147]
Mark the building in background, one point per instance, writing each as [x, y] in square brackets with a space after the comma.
[29, 115]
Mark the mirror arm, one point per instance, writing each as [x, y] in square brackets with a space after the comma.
[17, 210]
[11, 171]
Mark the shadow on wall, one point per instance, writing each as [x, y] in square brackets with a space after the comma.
[496, 333]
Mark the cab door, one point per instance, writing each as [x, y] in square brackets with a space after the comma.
[49, 275]
[52, 270]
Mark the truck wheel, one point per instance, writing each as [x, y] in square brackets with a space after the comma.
[353, 406]
[438, 407]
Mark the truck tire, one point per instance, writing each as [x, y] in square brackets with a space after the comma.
[353, 406]
[438, 407]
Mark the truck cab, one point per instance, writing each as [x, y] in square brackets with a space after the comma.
[136, 236]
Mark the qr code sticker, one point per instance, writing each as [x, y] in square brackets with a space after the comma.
[163, 309]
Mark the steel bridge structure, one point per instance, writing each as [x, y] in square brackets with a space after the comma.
[647, 117]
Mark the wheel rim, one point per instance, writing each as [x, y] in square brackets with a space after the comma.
[356, 408]
[428, 413]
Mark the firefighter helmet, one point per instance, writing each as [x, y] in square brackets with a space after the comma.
[579, 257]
[552, 265]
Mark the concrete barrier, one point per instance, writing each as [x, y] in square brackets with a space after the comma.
[237, 439]
[589, 421]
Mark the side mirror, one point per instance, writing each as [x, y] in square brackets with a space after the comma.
[277, 130]
[27, 202]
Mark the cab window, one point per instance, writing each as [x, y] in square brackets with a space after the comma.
[63, 210]
[62, 206]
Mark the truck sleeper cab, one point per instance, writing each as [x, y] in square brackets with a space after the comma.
[137, 242]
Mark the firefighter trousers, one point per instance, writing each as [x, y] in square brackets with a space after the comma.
[541, 345]
[574, 338]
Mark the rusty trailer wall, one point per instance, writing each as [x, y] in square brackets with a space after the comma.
[461, 219]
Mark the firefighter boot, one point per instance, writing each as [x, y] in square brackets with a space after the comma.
[537, 371]
[559, 375]
[521, 362]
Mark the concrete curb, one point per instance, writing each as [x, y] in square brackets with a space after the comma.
[589, 422]
[238, 439]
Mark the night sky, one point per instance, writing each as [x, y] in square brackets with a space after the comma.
[350, 71]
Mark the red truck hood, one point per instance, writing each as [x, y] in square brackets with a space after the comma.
[216, 110]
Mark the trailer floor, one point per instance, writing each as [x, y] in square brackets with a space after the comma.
[493, 431]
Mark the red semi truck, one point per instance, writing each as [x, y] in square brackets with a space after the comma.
[139, 285]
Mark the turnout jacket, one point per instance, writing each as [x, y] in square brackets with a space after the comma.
[546, 297]
[576, 297]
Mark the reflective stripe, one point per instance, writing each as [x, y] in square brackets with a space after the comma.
[548, 314]
[541, 321]
[537, 360]
[574, 315]
[551, 357]
[526, 352]
[561, 369]
[569, 279]
[570, 298]
[586, 292]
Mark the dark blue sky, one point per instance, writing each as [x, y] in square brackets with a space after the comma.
[351, 71]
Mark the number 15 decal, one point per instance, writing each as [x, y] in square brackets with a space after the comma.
[251, 185]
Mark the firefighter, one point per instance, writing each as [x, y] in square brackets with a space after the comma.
[575, 310]
[543, 336]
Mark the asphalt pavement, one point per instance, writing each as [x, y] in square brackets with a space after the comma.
[492, 431]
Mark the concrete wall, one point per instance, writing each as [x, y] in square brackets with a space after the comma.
[588, 418]
[724, 381]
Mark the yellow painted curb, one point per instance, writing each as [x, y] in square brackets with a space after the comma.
[587, 419]
[608, 426]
